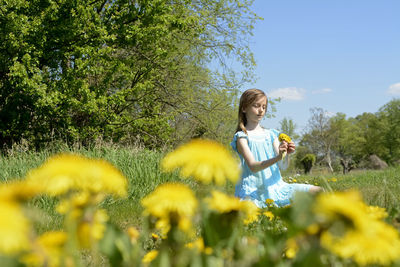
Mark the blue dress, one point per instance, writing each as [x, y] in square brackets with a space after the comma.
[267, 183]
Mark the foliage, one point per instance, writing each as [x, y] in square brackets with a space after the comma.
[308, 162]
[351, 141]
[75, 70]
[289, 127]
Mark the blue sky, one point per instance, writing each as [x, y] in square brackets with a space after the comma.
[339, 55]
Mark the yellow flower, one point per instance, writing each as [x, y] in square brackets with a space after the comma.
[14, 228]
[352, 231]
[18, 190]
[284, 137]
[92, 230]
[48, 250]
[333, 179]
[338, 205]
[269, 201]
[378, 244]
[133, 234]
[67, 172]
[205, 160]
[150, 256]
[171, 201]
[223, 203]
[376, 212]
[251, 210]
[291, 248]
[269, 215]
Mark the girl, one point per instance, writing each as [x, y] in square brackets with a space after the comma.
[259, 151]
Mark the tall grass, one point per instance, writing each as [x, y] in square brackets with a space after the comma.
[142, 169]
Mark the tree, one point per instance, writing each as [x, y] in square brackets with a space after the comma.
[389, 115]
[288, 127]
[118, 69]
[321, 135]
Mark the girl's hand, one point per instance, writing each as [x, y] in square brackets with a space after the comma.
[283, 148]
[291, 147]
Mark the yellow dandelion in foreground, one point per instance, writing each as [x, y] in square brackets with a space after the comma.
[68, 172]
[133, 234]
[92, 230]
[150, 256]
[362, 236]
[348, 205]
[18, 191]
[14, 228]
[251, 210]
[205, 160]
[376, 212]
[48, 250]
[379, 244]
[269, 215]
[269, 201]
[291, 248]
[171, 201]
[223, 203]
[170, 197]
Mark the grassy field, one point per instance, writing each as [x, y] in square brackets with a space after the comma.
[141, 167]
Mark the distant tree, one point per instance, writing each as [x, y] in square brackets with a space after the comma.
[389, 115]
[321, 135]
[288, 127]
[308, 162]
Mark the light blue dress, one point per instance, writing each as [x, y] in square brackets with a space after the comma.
[267, 183]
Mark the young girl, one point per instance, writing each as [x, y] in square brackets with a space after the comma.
[259, 151]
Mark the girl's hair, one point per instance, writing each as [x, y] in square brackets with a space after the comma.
[247, 98]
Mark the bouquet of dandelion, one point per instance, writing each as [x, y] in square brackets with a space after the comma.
[284, 137]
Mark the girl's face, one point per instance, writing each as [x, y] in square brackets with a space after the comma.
[255, 111]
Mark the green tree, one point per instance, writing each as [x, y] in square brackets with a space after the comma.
[321, 136]
[288, 127]
[118, 69]
[389, 115]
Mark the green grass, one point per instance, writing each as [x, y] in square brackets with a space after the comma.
[142, 169]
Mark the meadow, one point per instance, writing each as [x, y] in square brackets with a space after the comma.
[142, 169]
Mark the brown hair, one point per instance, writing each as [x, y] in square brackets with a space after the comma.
[247, 98]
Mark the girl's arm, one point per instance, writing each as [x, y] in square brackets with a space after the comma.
[256, 166]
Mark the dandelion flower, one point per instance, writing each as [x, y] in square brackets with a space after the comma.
[68, 172]
[18, 190]
[291, 248]
[92, 230]
[133, 234]
[150, 256]
[269, 215]
[376, 212]
[353, 230]
[283, 137]
[205, 160]
[223, 203]
[379, 244]
[198, 245]
[171, 201]
[48, 250]
[14, 228]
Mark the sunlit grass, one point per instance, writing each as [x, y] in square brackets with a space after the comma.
[142, 169]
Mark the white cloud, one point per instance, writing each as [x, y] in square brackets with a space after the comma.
[322, 91]
[394, 89]
[289, 93]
